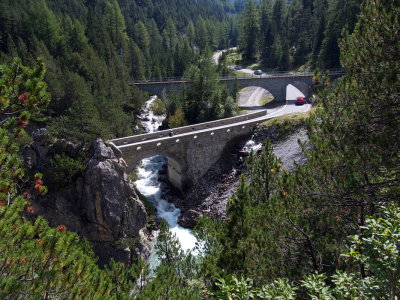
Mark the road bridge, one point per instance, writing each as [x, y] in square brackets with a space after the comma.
[190, 150]
[275, 83]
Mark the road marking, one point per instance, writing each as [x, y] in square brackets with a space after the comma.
[275, 112]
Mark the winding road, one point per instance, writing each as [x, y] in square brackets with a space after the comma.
[250, 98]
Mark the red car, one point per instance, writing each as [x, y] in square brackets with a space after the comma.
[300, 100]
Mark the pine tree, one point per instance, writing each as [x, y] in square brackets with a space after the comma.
[173, 273]
[37, 261]
[142, 38]
[249, 30]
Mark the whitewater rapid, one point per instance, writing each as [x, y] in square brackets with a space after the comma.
[149, 186]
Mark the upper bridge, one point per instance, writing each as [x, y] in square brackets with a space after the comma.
[275, 83]
[190, 150]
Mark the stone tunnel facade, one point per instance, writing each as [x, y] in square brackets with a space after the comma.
[192, 150]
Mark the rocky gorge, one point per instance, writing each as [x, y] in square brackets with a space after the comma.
[101, 204]
[210, 195]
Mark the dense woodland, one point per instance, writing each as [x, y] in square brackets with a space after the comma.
[328, 230]
[286, 35]
[93, 49]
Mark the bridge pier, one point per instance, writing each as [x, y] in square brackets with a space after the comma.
[175, 175]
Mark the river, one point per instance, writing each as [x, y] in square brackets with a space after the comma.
[150, 187]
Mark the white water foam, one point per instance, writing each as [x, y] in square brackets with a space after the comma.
[148, 185]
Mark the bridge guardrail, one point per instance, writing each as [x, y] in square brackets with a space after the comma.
[230, 77]
[163, 144]
[187, 129]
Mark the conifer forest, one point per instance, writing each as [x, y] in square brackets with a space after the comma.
[74, 223]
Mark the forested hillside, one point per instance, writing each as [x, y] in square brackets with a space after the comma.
[285, 35]
[92, 49]
[329, 229]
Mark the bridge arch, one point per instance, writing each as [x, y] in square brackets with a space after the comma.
[275, 84]
[177, 168]
[248, 97]
[191, 150]
[303, 87]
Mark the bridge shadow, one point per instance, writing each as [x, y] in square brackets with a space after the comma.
[274, 104]
[261, 107]
[271, 105]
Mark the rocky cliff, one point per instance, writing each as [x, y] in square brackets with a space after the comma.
[100, 204]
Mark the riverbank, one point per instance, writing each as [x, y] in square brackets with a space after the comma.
[210, 195]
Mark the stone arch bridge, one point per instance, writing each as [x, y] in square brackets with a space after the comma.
[276, 84]
[190, 150]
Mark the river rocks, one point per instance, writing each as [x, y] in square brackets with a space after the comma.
[211, 193]
[189, 218]
[163, 172]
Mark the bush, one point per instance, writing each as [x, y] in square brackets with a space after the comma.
[63, 169]
[150, 210]
[177, 119]
[158, 107]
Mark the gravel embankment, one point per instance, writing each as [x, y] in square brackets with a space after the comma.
[289, 150]
[251, 97]
[212, 192]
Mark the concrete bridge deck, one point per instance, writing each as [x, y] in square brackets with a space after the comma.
[187, 129]
[275, 83]
[192, 150]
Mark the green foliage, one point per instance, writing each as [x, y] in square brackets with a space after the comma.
[286, 225]
[37, 261]
[175, 271]
[279, 289]
[257, 214]
[249, 30]
[232, 288]
[378, 250]
[40, 261]
[177, 119]
[203, 98]
[284, 35]
[374, 246]
[316, 287]
[22, 92]
[22, 95]
[63, 169]
[94, 49]
[279, 224]
[150, 210]
[158, 107]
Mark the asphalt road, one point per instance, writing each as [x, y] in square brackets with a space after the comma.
[250, 99]
[218, 54]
